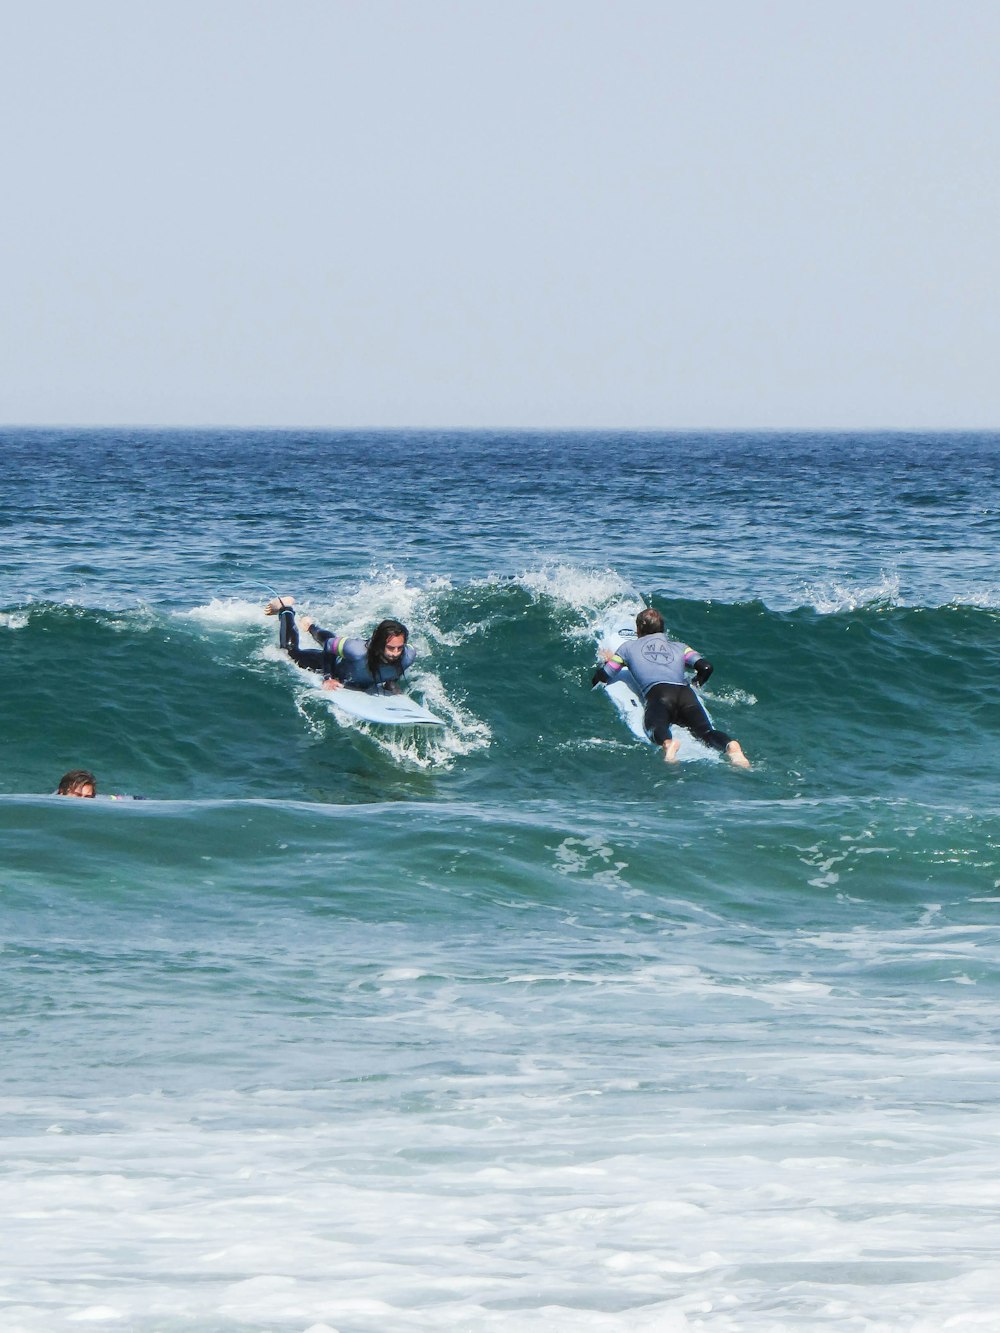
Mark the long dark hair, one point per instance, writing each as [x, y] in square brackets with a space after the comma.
[383, 631]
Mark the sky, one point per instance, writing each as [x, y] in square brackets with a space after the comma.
[500, 213]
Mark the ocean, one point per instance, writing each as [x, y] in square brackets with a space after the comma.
[505, 1025]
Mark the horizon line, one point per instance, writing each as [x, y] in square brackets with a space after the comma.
[524, 429]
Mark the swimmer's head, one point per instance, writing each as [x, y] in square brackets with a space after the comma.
[77, 782]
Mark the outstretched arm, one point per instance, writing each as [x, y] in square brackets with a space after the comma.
[606, 673]
[332, 655]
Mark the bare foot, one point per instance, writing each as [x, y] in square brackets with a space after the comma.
[670, 749]
[306, 623]
[277, 604]
[735, 751]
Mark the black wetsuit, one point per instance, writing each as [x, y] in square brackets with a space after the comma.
[311, 659]
[669, 705]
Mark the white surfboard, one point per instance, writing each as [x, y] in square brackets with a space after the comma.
[393, 710]
[624, 694]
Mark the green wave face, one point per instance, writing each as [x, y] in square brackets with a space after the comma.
[883, 701]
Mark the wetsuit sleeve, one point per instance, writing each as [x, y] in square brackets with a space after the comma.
[607, 672]
[617, 660]
[322, 636]
[331, 646]
[408, 658]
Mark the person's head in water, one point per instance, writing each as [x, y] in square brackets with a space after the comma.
[648, 622]
[77, 782]
[385, 647]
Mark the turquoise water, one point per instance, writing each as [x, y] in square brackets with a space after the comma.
[507, 1026]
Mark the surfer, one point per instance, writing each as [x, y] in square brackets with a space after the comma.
[658, 666]
[374, 665]
[77, 782]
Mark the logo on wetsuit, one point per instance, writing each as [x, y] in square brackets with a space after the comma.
[659, 652]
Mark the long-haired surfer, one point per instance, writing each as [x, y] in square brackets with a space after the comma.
[375, 664]
[659, 666]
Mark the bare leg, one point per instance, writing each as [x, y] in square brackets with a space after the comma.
[670, 748]
[735, 751]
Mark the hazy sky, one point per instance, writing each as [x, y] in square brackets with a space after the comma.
[500, 212]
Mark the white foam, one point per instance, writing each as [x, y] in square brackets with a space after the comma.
[988, 599]
[729, 696]
[586, 590]
[617, 1151]
[383, 595]
[835, 597]
[226, 612]
[421, 747]
[592, 857]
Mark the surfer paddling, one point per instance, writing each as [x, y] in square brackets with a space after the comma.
[374, 665]
[658, 666]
